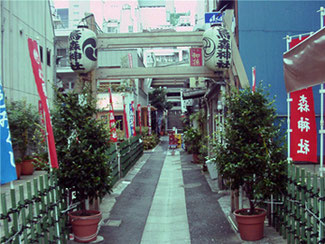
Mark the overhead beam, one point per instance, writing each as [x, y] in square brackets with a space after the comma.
[149, 40]
[157, 72]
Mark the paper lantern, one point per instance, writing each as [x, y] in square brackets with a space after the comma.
[82, 50]
[217, 48]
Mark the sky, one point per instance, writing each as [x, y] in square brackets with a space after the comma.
[97, 6]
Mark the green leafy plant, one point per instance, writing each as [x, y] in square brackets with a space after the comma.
[23, 120]
[251, 153]
[192, 139]
[158, 99]
[82, 142]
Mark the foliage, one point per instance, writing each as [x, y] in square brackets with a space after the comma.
[251, 154]
[149, 142]
[192, 138]
[23, 120]
[82, 143]
[158, 99]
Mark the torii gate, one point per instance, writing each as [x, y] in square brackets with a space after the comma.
[179, 39]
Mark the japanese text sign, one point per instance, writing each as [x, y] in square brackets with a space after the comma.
[112, 122]
[196, 57]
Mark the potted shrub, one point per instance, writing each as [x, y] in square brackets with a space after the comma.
[23, 120]
[82, 143]
[251, 154]
[192, 139]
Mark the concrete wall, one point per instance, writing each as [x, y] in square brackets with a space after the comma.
[21, 20]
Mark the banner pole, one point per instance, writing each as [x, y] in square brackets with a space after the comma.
[321, 91]
[288, 39]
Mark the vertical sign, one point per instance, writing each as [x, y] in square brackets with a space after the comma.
[39, 80]
[112, 122]
[125, 119]
[303, 145]
[131, 119]
[253, 79]
[139, 117]
[149, 119]
[196, 56]
[42, 118]
[7, 161]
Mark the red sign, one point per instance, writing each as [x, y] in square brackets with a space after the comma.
[303, 145]
[125, 118]
[139, 117]
[254, 79]
[303, 124]
[196, 56]
[112, 122]
[39, 80]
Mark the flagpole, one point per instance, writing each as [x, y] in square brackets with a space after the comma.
[288, 39]
[322, 91]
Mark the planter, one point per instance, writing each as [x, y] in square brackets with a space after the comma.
[195, 158]
[18, 170]
[212, 169]
[27, 167]
[85, 228]
[251, 227]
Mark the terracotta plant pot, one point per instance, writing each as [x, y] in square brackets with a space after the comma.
[251, 227]
[195, 158]
[27, 167]
[85, 227]
[18, 170]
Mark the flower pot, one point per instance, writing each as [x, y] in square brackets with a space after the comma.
[18, 170]
[85, 228]
[195, 158]
[251, 227]
[27, 167]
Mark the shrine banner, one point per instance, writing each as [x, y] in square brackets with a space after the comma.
[253, 79]
[303, 145]
[149, 119]
[39, 80]
[7, 161]
[112, 122]
[139, 117]
[134, 118]
[125, 119]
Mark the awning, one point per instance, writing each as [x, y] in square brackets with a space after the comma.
[304, 65]
[191, 94]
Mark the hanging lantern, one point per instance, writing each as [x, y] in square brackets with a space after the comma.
[82, 50]
[217, 48]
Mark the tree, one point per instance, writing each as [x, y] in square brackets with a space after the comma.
[158, 99]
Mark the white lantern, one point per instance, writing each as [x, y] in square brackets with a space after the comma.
[82, 50]
[217, 48]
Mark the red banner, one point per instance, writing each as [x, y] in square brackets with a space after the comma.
[196, 56]
[125, 118]
[303, 124]
[139, 117]
[39, 80]
[303, 145]
[254, 79]
[112, 122]
[149, 120]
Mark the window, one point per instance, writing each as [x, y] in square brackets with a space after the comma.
[130, 28]
[48, 57]
[119, 122]
[41, 53]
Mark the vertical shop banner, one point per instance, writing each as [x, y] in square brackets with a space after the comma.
[303, 124]
[139, 117]
[134, 118]
[303, 145]
[112, 122]
[39, 80]
[131, 119]
[196, 56]
[149, 119]
[253, 79]
[125, 119]
[7, 161]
